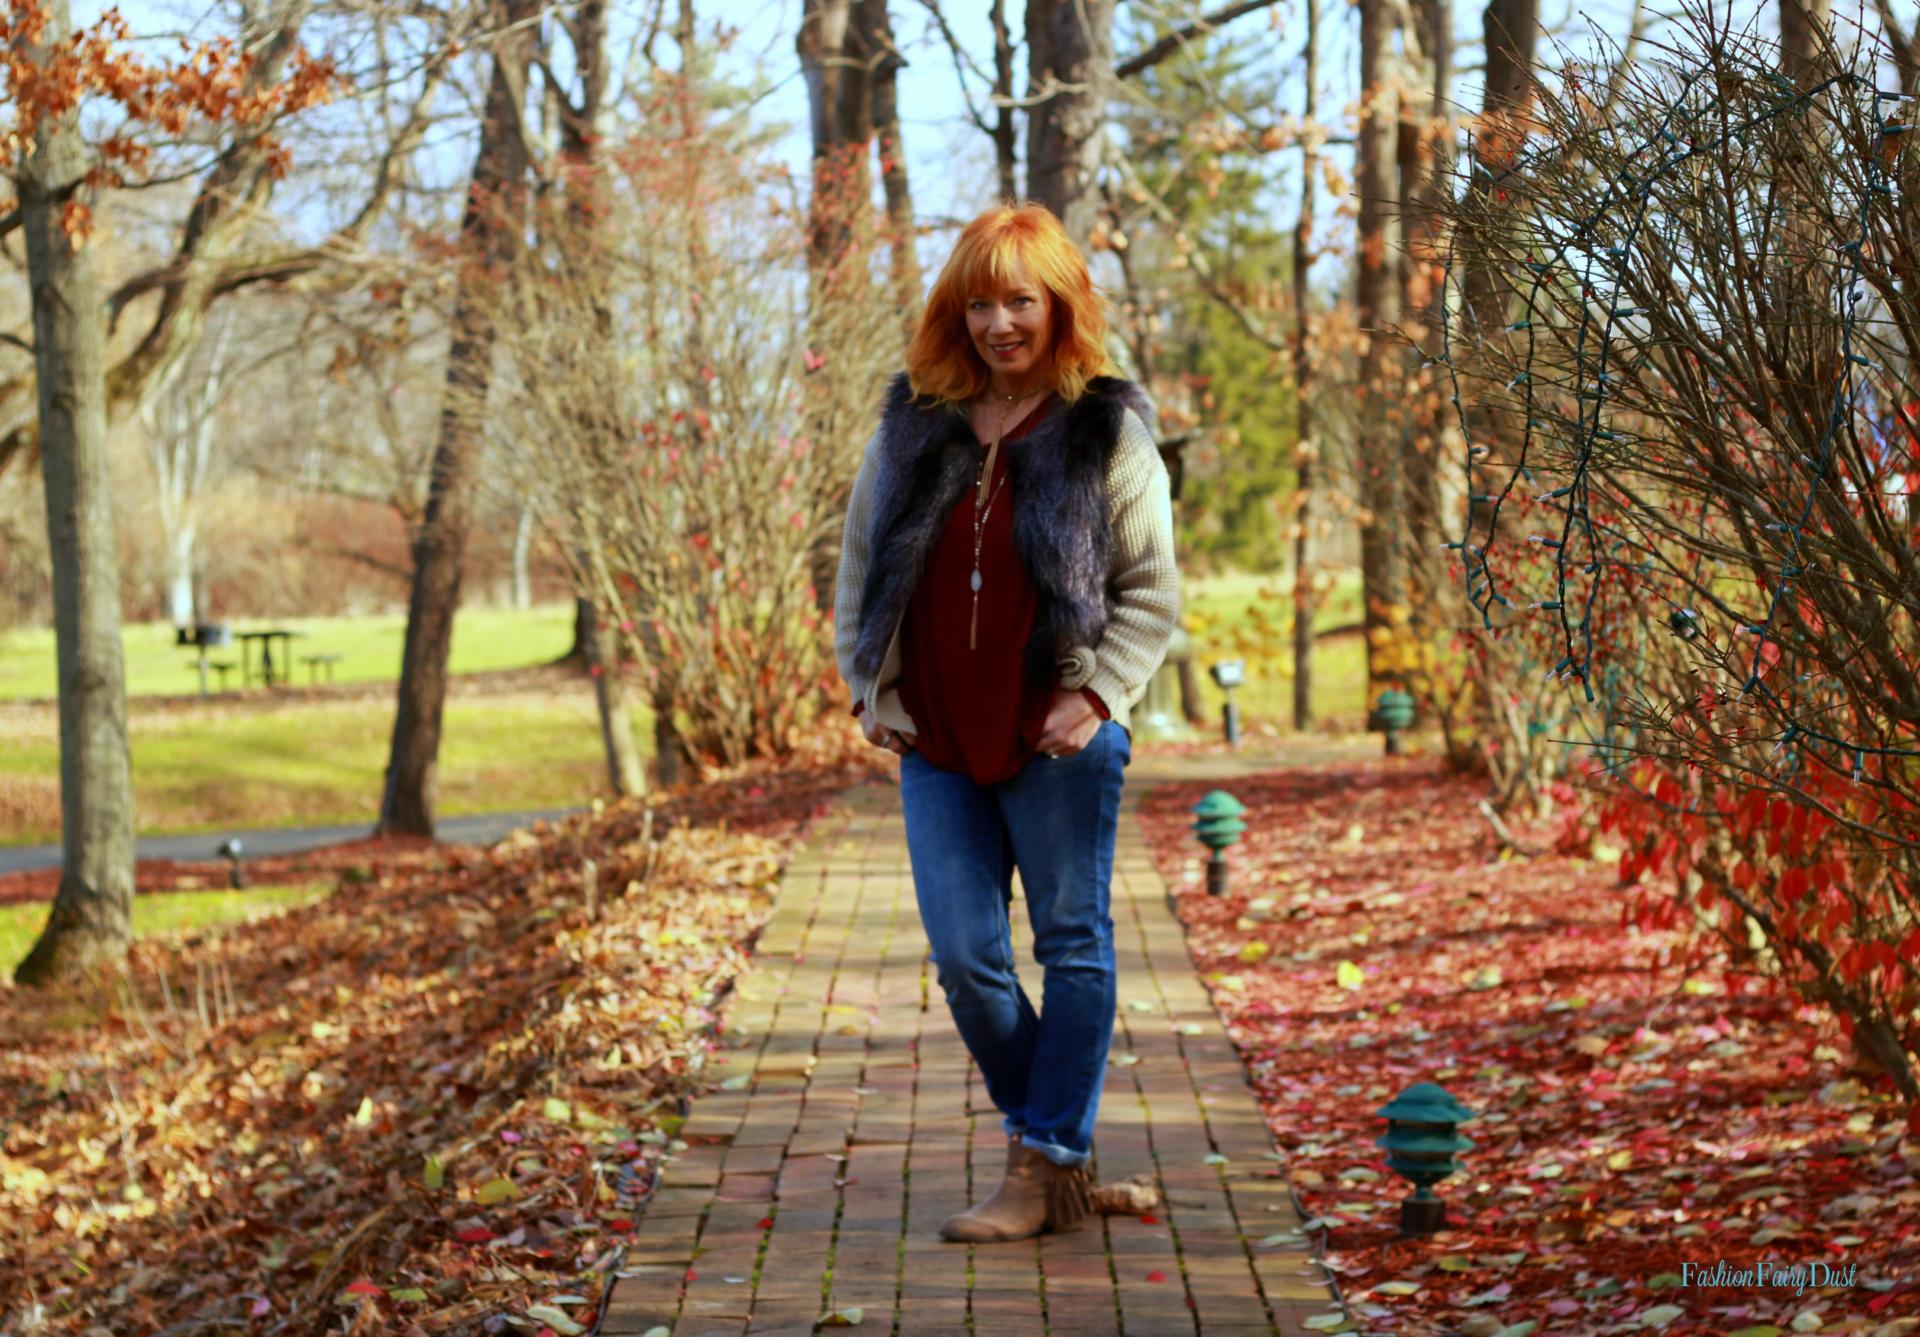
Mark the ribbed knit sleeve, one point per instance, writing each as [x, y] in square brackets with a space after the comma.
[852, 580]
[1140, 508]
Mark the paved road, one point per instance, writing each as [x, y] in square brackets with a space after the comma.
[482, 829]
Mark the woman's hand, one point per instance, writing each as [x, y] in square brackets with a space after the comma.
[1071, 724]
[881, 736]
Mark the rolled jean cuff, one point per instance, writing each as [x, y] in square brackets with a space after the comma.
[1056, 1153]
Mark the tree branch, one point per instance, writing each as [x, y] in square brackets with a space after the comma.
[1177, 39]
[962, 64]
[1196, 258]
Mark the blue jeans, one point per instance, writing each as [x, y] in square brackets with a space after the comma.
[1056, 821]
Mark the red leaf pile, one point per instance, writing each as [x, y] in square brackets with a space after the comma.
[1633, 1118]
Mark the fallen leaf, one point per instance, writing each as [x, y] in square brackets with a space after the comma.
[557, 1319]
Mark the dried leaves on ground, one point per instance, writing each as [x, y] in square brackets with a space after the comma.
[419, 1105]
[1637, 1123]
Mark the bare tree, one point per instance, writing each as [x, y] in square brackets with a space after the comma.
[218, 251]
[92, 908]
[1712, 416]
[180, 440]
[490, 232]
[1378, 455]
[1069, 79]
[1305, 604]
[684, 475]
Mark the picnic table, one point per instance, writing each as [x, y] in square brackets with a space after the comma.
[269, 672]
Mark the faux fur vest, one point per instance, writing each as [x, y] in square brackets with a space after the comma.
[929, 457]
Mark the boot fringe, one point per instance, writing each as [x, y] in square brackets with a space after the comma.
[1069, 1196]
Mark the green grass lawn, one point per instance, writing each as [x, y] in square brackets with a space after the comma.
[1226, 604]
[320, 763]
[162, 912]
[249, 760]
[369, 647]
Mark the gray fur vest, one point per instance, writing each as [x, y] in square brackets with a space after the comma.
[929, 457]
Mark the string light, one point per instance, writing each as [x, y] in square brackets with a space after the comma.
[1646, 167]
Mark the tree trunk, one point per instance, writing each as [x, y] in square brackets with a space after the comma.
[1069, 71]
[1305, 601]
[92, 908]
[522, 549]
[1191, 708]
[833, 58]
[1004, 158]
[1511, 29]
[1426, 68]
[180, 606]
[626, 772]
[1804, 37]
[491, 230]
[877, 36]
[584, 132]
[1379, 445]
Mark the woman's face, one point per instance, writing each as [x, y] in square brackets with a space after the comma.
[1009, 327]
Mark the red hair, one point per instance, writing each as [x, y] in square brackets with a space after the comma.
[942, 363]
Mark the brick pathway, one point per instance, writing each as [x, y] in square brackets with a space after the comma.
[855, 1155]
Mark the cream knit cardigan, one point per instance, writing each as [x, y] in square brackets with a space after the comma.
[1144, 575]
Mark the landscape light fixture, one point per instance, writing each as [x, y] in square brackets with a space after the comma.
[1217, 825]
[230, 851]
[1227, 675]
[1392, 713]
[1423, 1143]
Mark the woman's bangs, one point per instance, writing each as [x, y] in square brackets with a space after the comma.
[986, 265]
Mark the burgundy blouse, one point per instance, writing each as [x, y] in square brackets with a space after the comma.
[975, 713]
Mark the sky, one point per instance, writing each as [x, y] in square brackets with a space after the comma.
[950, 163]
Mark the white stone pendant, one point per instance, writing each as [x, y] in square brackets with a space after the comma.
[975, 581]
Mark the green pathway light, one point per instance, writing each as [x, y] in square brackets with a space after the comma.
[1392, 713]
[1423, 1141]
[1217, 825]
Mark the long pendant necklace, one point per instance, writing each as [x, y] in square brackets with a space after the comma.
[981, 512]
[980, 515]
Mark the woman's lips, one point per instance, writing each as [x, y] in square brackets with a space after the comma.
[1006, 352]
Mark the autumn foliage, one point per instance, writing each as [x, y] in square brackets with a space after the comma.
[432, 1098]
[94, 67]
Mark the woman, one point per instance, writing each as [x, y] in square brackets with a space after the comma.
[1006, 588]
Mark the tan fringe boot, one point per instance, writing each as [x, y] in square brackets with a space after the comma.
[1018, 1208]
[1035, 1195]
[1069, 1196]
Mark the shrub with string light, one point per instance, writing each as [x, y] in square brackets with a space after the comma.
[1682, 358]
